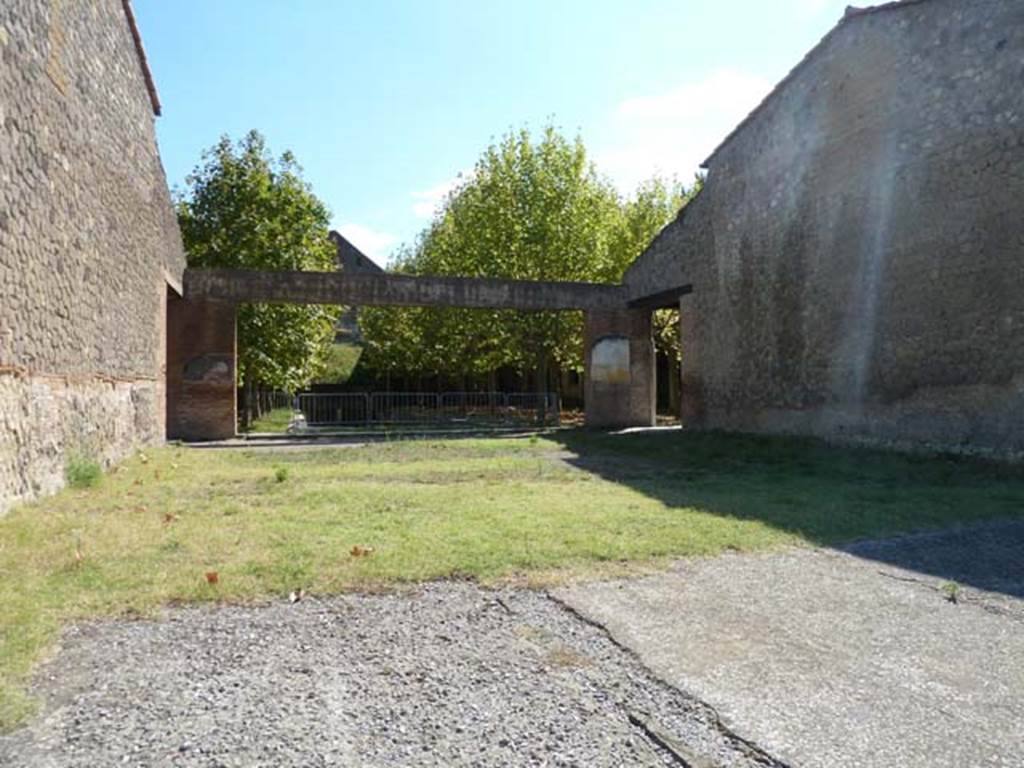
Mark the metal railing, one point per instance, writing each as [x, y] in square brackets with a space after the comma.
[371, 408]
[334, 409]
[276, 399]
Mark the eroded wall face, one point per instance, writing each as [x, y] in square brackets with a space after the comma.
[857, 254]
[86, 234]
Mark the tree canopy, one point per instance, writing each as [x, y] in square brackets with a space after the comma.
[533, 208]
[244, 208]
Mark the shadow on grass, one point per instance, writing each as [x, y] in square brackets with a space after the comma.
[859, 500]
[855, 499]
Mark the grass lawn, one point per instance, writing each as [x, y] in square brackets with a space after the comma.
[340, 363]
[276, 420]
[328, 520]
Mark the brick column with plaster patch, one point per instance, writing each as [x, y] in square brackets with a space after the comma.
[619, 372]
[201, 354]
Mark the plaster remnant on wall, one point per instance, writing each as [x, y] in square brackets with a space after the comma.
[213, 369]
[609, 362]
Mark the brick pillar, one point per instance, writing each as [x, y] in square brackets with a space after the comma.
[619, 373]
[201, 389]
[691, 395]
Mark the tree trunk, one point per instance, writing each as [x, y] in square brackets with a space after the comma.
[542, 386]
[247, 391]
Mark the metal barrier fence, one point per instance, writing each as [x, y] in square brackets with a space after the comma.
[367, 408]
[275, 399]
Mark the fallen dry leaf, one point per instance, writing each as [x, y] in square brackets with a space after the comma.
[358, 551]
[169, 518]
[212, 577]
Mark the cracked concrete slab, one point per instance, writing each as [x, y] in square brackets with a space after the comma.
[827, 657]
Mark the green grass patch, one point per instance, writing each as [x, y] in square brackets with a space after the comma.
[276, 420]
[328, 520]
[83, 472]
[339, 363]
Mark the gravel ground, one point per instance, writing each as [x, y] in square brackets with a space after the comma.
[448, 675]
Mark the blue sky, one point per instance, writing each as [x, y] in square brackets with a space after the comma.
[385, 102]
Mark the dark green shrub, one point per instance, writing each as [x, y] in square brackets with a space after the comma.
[83, 472]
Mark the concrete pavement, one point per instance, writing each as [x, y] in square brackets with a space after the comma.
[843, 658]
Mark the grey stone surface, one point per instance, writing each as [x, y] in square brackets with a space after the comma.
[828, 658]
[42, 418]
[382, 289]
[87, 234]
[857, 253]
[349, 258]
[449, 675]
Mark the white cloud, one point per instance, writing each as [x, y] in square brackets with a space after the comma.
[376, 245]
[673, 132]
[429, 200]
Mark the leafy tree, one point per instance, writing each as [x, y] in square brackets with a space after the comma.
[654, 205]
[243, 208]
[532, 209]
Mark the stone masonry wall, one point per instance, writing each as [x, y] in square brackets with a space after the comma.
[88, 242]
[857, 254]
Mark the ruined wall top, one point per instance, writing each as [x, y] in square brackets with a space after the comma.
[852, 14]
[349, 258]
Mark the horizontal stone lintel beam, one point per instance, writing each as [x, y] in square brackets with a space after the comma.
[663, 299]
[369, 289]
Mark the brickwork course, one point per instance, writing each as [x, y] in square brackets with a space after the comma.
[88, 242]
[857, 253]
